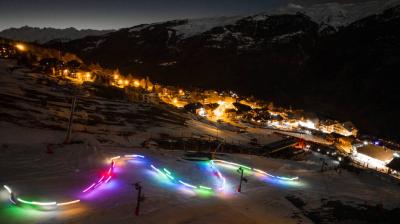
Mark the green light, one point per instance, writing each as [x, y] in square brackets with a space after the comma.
[206, 188]
[204, 193]
[167, 171]
[246, 167]
[170, 177]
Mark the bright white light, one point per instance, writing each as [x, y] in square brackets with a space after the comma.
[372, 162]
[219, 111]
[396, 154]
[8, 189]
[307, 124]
[202, 112]
[365, 143]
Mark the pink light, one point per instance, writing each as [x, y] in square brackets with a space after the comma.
[100, 179]
[90, 187]
[108, 179]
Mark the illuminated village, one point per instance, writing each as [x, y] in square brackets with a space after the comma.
[216, 106]
[221, 131]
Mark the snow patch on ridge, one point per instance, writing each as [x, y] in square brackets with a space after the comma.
[336, 14]
[196, 26]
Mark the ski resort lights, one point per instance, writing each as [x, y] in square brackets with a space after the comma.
[307, 124]
[20, 47]
[202, 112]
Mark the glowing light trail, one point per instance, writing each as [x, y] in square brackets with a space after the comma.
[90, 187]
[233, 164]
[8, 189]
[115, 158]
[134, 156]
[36, 203]
[206, 188]
[164, 172]
[256, 170]
[68, 203]
[186, 184]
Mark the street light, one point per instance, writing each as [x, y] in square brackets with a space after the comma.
[20, 47]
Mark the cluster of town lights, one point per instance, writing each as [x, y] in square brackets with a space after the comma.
[121, 82]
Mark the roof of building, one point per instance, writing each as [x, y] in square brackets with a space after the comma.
[377, 152]
[394, 164]
[328, 122]
[348, 126]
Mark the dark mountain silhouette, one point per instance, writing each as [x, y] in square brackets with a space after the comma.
[42, 35]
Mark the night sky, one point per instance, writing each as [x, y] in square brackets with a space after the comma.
[114, 14]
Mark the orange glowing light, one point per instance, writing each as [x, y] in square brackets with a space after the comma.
[20, 47]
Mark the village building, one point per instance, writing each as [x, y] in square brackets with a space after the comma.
[394, 165]
[373, 156]
[345, 129]
[7, 51]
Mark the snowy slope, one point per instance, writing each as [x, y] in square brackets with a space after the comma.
[336, 14]
[104, 128]
[333, 14]
[196, 26]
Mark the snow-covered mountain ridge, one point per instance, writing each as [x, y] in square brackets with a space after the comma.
[333, 14]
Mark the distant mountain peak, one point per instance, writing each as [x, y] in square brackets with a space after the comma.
[46, 34]
[337, 14]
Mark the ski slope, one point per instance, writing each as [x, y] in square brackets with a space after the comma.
[104, 128]
[63, 176]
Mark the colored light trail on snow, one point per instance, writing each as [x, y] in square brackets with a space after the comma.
[199, 188]
[8, 189]
[255, 170]
[36, 203]
[68, 203]
[105, 178]
[168, 176]
[46, 204]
